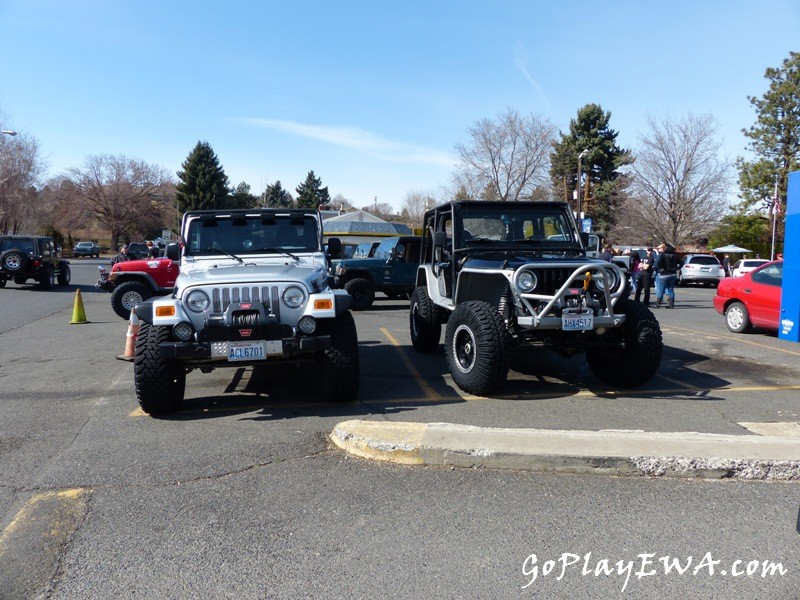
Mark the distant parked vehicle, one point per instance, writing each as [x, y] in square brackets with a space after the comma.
[700, 268]
[86, 249]
[746, 265]
[752, 300]
[138, 250]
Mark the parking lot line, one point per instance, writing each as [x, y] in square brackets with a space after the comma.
[429, 392]
[734, 338]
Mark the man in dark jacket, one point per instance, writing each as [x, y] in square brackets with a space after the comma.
[122, 256]
[666, 269]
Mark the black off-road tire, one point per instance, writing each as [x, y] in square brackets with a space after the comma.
[127, 295]
[20, 279]
[3, 282]
[160, 383]
[15, 260]
[423, 321]
[362, 291]
[340, 363]
[637, 359]
[477, 347]
[47, 277]
[64, 275]
[737, 318]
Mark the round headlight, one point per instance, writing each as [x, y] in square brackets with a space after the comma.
[611, 276]
[526, 281]
[197, 301]
[293, 296]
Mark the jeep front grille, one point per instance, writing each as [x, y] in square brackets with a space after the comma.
[551, 280]
[221, 298]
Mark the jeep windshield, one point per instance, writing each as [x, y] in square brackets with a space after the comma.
[527, 227]
[237, 235]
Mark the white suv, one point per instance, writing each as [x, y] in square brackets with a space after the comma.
[700, 268]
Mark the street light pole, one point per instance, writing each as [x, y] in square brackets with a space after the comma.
[582, 155]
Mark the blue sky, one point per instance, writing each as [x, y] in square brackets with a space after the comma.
[373, 95]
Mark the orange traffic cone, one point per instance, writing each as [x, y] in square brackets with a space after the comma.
[130, 338]
[78, 314]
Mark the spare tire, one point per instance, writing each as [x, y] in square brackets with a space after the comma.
[14, 260]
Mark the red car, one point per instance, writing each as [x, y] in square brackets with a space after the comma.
[752, 300]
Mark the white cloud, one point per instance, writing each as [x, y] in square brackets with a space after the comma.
[358, 140]
[521, 60]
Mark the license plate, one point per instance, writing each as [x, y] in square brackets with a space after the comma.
[240, 351]
[577, 322]
[706, 269]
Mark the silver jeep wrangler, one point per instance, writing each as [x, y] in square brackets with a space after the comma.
[253, 289]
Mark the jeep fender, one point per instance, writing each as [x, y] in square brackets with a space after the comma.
[145, 278]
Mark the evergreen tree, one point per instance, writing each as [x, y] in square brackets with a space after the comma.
[601, 167]
[241, 197]
[277, 197]
[774, 140]
[310, 193]
[203, 183]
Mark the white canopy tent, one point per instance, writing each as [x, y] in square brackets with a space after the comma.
[731, 248]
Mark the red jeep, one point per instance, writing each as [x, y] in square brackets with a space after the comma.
[134, 281]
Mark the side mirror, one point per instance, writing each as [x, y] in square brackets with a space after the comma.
[585, 240]
[334, 247]
[440, 239]
[173, 251]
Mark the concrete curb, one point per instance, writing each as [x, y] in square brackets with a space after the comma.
[682, 454]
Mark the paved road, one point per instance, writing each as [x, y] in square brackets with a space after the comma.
[241, 495]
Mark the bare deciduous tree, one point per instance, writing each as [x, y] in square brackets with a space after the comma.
[126, 195]
[415, 204]
[20, 168]
[506, 159]
[680, 181]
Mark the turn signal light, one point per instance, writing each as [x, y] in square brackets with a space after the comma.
[323, 304]
[165, 311]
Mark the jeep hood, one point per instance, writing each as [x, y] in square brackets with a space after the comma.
[223, 273]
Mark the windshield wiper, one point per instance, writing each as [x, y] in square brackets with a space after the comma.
[220, 251]
[277, 250]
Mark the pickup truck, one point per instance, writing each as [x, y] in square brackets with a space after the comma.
[391, 270]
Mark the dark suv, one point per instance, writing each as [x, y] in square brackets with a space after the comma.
[24, 257]
[502, 276]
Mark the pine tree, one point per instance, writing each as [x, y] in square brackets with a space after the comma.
[601, 166]
[203, 184]
[240, 197]
[277, 197]
[775, 137]
[310, 194]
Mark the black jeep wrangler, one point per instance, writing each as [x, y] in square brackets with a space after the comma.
[505, 275]
[24, 257]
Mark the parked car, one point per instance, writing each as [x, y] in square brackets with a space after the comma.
[746, 265]
[131, 282]
[86, 249]
[24, 257]
[390, 270]
[700, 268]
[752, 300]
[138, 250]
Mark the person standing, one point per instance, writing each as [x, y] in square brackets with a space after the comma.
[726, 265]
[122, 256]
[666, 268]
[607, 254]
[152, 250]
[645, 277]
[635, 270]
